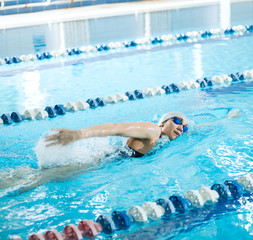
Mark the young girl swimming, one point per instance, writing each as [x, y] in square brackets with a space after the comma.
[143, 136]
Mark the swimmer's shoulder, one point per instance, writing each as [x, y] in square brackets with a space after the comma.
[143, 125]
[153, 127]
[141, 130]
[148, 124]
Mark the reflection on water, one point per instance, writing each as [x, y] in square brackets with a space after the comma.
[59, 163]
[23, 179]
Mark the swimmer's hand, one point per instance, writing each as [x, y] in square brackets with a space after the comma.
[233, 113]
[63, 137]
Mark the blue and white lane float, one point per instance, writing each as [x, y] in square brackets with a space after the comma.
[168, 39]
[169, 227]
[175, 211]
[61, 109]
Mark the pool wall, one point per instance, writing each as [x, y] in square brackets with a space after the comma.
[62, 29]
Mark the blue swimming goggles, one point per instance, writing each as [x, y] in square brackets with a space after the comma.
[178, 121]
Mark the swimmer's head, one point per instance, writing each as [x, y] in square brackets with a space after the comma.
[170, 115]
[173, 124]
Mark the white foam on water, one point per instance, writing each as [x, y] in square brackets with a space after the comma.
[86, 151]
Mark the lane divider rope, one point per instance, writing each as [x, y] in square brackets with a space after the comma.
[61, 109]
[218, 195]
[168, 39]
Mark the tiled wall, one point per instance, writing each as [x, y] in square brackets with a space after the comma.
[24, 6]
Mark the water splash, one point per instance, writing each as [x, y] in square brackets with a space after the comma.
[87, 151]
[60, 163]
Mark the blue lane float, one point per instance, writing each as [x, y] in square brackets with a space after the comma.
[102, 47]
[16, 60]
[209, 82]
[92, 103]
[205, 82]
[6, 118]
[175, 87]
[70, 52]
[169, 39]
[76, 51]
[182, 37]
[202, 83]
[130, 44]
[8, 60]
[122, 220]
[155, 40]
[181, 204]
[206, 34]
[237, 76]
[167, 205]
[249, 28]
[107, 224]
[130, 95]
[167, 89]
[100, 102]
[229, 31]
[60, 109]
[45, 55]
[51, 111]
[139, 94]
[16, 117]
[236, 189]
[222, 190]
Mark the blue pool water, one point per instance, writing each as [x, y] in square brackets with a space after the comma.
[38, 194]
[200, 158]
[118, 73]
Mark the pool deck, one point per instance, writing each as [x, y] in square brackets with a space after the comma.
[95, 11]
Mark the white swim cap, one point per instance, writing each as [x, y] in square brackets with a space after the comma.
[169, 115]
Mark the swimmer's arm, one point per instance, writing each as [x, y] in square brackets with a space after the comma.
[208, 123]
[145, 130]
[142, 130]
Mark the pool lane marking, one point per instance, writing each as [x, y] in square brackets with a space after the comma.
[109, 55]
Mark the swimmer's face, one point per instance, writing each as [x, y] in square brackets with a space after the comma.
[173, 130]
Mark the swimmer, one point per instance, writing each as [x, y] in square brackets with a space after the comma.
[143, 136]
